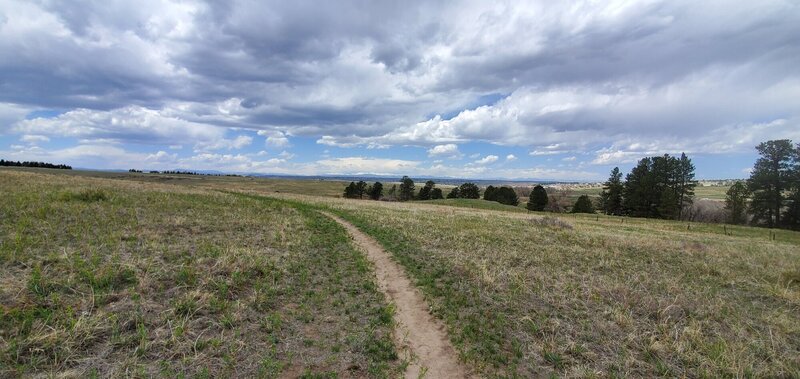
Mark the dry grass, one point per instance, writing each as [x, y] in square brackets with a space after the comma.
[597, 296]
[522, 294]
[122, 278]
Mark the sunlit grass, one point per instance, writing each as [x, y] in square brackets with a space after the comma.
[124, 278]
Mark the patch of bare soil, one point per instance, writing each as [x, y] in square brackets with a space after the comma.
[417, 333]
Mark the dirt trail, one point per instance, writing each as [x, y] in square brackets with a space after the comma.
[417, 332]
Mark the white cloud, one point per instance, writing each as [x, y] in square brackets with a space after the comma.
[511, 158]
[361, 165]
[449, 150]
[161, 157]
[34, 139]
[489, 159]
[130, 124]
[286, 155]
[569, 159]
[227, 144]
[275, 138]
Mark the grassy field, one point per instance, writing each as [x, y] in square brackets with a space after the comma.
[329, 188]
[117, 278]
[174, 277]
[532, 295]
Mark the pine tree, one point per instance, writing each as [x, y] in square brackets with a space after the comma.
[350, 190]
[772, 175]
[583, 205]
[489, 194]
[361, 189]
[611, 197]
[469, 191]
[668, 204]
[636, 199]
[736, 203]
[503, 195]
[376, 191]
[406, 189]
[436, 194]
[685, 183]
[453, 194]
[425, 191]
[538, 199]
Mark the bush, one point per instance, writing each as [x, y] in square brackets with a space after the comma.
[87, 195]
[453, 193]
[503, 195]
[583, 205]
[469, 191]
[538, 199]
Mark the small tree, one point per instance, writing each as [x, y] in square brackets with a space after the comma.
[425, 191]
[453, 194]
[583, 205]
[770, 178]
[736, 203]
[489, 194]
[361, 189]
[376, 191]
[538, 199]
[406, 189]
[505, 195]
[436, 194]
[469, 191]
[611, 197]
[350, 191]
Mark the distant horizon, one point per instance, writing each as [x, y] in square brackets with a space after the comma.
[342, 177]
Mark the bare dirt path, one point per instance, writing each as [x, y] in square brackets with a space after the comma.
[417, 332]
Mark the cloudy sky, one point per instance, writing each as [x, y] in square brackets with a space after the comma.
[549, 90]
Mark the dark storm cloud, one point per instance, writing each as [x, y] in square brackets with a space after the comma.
[376, 71]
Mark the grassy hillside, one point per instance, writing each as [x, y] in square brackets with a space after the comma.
[477, 204]
[534, 295]
[147, 278]
[131, 278]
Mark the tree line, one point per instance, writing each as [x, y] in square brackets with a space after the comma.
[407, 190]
[4, 162]
[504, 194]
[657, 187]
[771, 196]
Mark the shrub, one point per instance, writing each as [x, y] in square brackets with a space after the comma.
[469, 191]
[453, 193]
[538, 199]
[503, 195]
[87, 195]
[583, 205]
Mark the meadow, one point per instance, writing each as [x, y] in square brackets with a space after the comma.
[224, 276]
[123, 278]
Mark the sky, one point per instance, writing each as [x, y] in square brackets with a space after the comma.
[485, 90]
